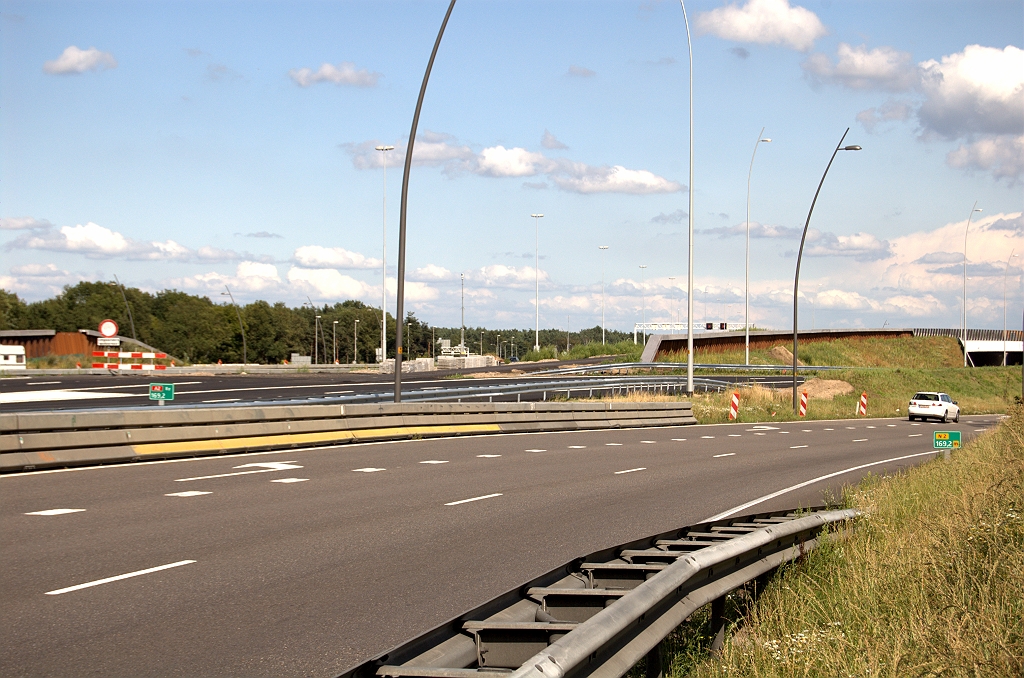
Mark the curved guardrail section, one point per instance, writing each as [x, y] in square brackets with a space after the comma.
[600, 615]
[730, 367]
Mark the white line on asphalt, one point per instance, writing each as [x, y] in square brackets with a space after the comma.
[222, 400]
[679, 440]
[614, 444]
[759, 500]
[273, 466]
[869, 427]
[631, 470]
[289, 480]
[784, 432]
[434, 461]
[40, 383]
[648, 442]
[577, 447]
[466, 501]
[488, 456]
[830, 429]
[536, 450]
[189, 493]
[915, 424]
[146, 386]
[53, 512]
[119, 577]
[735, 435]
[851, 427]
[915, 435]
[797, 447]
[707, 436]
[369, 469]
[337, 392]
[728, 454]
[807, 430]
[861, 440]
[891, 425]
[760, 434]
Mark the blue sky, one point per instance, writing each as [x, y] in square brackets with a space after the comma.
[193, 145]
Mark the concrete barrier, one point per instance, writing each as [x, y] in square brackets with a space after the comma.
[34, 440]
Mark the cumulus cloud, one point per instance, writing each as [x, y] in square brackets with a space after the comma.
[344, 73]
[262, 234]
[860, 68]
[327, 283]
[580, 72]
[978, 90]
[1002, 155]
[677, 217]
[549, 141]
[432, 272]
[890, 111]
[757, 230]
[441, 150]
[24, 224]
[73, 61]
[316, 256]
[249, 277]
[860, 246]
[766, 22]
[98, 242]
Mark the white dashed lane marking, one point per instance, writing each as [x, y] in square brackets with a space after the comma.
[679, 440]
[53, 512]
[915, 435]
[189, 493]
[891, 425]
[369, 469]
[648, 442]
[577, 447]
[728, 454]
[735, 435]
[488, 456]
[707, 437]
[631, 470]
[434, 461]
[614, 444]
[466, 501]
[797, 447]
[289, 480]
[861, 440]
[536, 450]
[830, 429]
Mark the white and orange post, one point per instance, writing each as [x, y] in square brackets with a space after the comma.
[122, 355]
[862, 406]
[803, 404]
[734, 407]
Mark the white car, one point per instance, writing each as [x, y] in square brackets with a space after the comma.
[933, 405]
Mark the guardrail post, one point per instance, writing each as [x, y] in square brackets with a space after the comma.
[717, 626]
[652, 663]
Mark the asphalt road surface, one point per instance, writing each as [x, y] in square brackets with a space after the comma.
[305, 562]
[47, 393]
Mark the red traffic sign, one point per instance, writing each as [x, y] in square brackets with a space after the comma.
[108, 328]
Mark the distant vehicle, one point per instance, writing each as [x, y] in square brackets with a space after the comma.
[12, 357]
[933, 405]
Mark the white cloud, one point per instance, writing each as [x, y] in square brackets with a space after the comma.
[860, 246]
[979, 90]
[766, 22]
[551, 142]
[93, 238]
[841, 299]
[256, 269]
[499, 161]
[1001, 155]
[316, 256]
[580, 72]
[74, 60]
[677, 217]
[344, 73]
[581, 178]
[39, 270]
[250, 277]
[327, 283]
[757, 230]
[432, 272]
[859, 68]
[890, 111]
[507, 276]
[24, 224]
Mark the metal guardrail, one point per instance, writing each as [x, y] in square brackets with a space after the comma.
[601, 614]
[610, 367]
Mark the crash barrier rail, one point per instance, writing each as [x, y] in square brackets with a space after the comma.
[600, 615]
[33, 440]
[611, 367]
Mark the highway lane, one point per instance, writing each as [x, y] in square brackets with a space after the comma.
[308, 561]
[47, 393]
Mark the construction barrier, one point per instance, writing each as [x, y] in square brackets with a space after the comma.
[803, 404]
[734, 407]
[131, 355]
[862, 406]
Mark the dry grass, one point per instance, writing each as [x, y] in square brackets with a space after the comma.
[929, 582]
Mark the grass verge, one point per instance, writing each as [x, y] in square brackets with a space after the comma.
[929, 582]
[623, 351]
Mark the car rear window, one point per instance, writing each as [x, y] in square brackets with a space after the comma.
[925, 396]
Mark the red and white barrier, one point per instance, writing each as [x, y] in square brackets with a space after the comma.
[734, 407]
[862, 406]
[127, 366]
[120, 355]
[123, 354]
[803, 404]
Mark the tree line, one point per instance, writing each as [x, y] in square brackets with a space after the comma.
[194, 329]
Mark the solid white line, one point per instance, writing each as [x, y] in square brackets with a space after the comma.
[759, 500]
[53, 512]
[797, 447]
[118, 577]
[729, 454]
[226, 475]
[631, 470]
[464, 501]
[222, 400]
[190, 493]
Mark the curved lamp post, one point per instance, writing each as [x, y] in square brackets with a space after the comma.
[746, 279]
[400, 309]
[536, 273]
[130, 318]
[384, 258]
[963, 325]
[245, 356]
[689, 216]
[800, 255]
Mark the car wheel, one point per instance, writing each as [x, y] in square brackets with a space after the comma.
[911, 418]
[956, 419]
[945, 417]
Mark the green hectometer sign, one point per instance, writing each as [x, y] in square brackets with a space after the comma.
[166, 392]
[947, 440]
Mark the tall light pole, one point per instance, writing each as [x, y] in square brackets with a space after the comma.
[355, 342]
[746, 283]
[603, 248]
[964, 324]
[462, 336]
[800, 255]
[643, 296]
[131, 320]
[536, 271]
[245, 356]
[316, 340]
[384, 258]
[400, 275]
[689, 218]
[1005, 271]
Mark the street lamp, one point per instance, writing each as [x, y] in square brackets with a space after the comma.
[334, 340]
[689, 218]
[964, 325]
[643, 296]
[355, 342]
[603, 248]
[384, 258]
[316, 343]
[245, 357]
[800, 255]
[130, 319]
[536, 271]
[1005, 270]
[746, 283]
[462, 335]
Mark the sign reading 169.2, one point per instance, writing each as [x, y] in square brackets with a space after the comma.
[161, 392]
[947, 440]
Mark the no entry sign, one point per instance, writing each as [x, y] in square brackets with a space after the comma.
[108, 328]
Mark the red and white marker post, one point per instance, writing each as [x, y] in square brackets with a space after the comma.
[803, 404]
[734, 407]
[862, 406]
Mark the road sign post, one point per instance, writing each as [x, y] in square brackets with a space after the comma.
[161, 393]
[946, 441]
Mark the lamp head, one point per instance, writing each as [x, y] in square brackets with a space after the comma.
[602, 247]
[765, 141]
[851, 148]
[384, 148]
[536, 216]
[978, 209]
